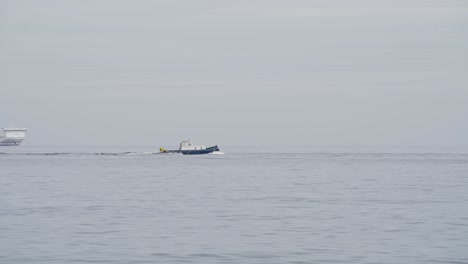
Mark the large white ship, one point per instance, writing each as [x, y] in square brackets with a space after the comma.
[12, 136]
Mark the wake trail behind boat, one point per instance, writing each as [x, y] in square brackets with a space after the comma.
[80, 153]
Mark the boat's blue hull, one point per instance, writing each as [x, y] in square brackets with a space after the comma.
[200, 151]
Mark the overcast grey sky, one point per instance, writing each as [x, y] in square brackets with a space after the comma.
[266, 72]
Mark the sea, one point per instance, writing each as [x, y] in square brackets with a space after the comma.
[250, 204]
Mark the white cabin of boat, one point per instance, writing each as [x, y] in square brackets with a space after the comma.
[187, 145]
[15, 132]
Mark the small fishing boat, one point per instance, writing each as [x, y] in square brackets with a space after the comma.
[187, 148]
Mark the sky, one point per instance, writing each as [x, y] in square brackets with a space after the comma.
[256, 72]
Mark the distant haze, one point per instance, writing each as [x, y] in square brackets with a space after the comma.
[241, 72]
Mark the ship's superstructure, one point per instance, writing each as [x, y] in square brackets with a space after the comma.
[12, 136]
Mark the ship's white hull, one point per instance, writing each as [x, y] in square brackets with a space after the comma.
[10, 141]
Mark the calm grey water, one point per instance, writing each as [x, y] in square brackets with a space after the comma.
[263, 205]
